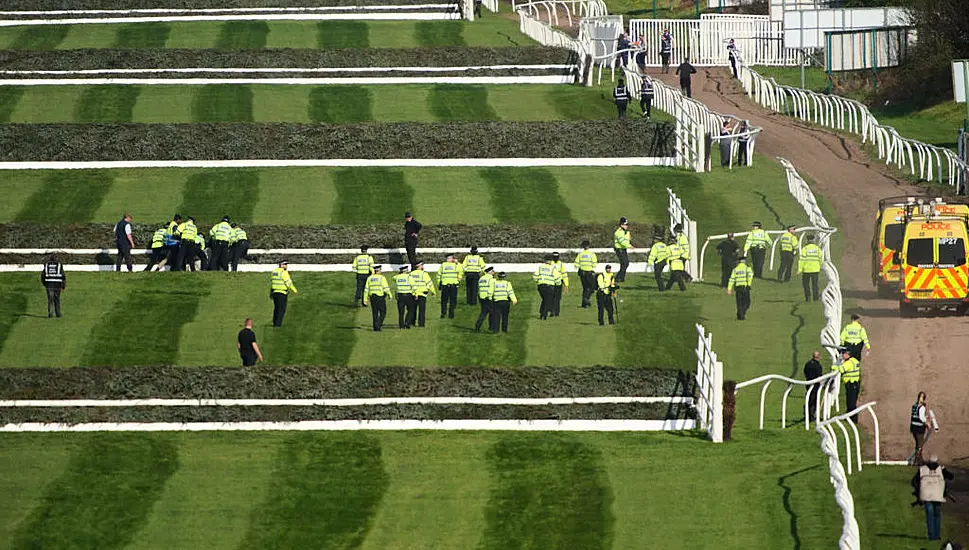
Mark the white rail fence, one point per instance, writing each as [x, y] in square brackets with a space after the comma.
[927, 162]
[678, 216]
[825, 395]
[772, 232]
[570, 8]
[530, 25]
[709, 379]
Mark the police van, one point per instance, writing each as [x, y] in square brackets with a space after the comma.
[889, 232]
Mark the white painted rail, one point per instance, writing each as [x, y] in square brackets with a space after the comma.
[709, 379]
[678, 216]
[825, 397]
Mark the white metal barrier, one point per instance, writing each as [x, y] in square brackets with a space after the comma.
[576, 8]
[927, 162]
[709, 379]
[492, 5]
[678, 216]
[825, 397]
[544, 34]
[773, 232]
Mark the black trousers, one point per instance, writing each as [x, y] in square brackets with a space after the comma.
[852, 389]
[203, 260]
[449, 300]
[604, 303]
[405, 310]
[220, 256]
[677, 276]
[666, 62]
[733, 66]
[809, 281]
[378, 309]
[361, 282]
[238, 251]
[487, 311]
[279, 308]
[787, 265]
[623, 255]
[588, 279]
[157, 255]
[742, 152]
[186, 256]
[646, 105]
[658, 268]
[812, 399]
[742, 294]
[53, 301]
[124, 253]
[621, 107]
[248, 360]
[419, 312]
[410, 243]
[547, 293]
[557, 299]
[726, 268]
[477, 9]
[499, 315]
[471, 281]
[687, 88]
[757, 255]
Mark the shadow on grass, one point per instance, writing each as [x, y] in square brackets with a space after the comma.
[782, 483]
[795, 360]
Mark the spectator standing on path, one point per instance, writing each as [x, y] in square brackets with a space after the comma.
[929, 481]
[812, 370]
[850, 370]
[732, 54]
[363, 266]
[646, 94]
[666, 49]
[809, 266]
[621, 244]
[659, 253]
[621, 96]
[740, 279]
[412, 229]
[280, 283]
[377, 292]
[855, 337]
[248, 348]
[728, 258]
[788, 244]
[585, 263]
[472, 264]
[55, 281]
[125, 242]
[686, 71]
[755, 246]
[922, 418]
[504, 296]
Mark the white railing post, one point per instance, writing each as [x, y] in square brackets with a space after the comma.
[709, 379]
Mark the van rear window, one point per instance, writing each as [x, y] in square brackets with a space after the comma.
[920, 252]
[952, 251]
[893, 236]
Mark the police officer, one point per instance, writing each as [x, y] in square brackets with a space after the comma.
[472, 265]
[363, 267]
[412, 229]
[621, 96]
[125, 242]
[503, 295]
[486, 289]
[561, 286]
[788, 244]
[684, 242]
[449, 276]
[854, 337]
[545, 277]
[740, 279]
[621, 244]
[55, 281]
[659, 254]
[377, 290]
[280, 283]
[186, 231]
[728, 258]
[646, 94]
[809, 266]
[666, 49]
[605, 286]
[406, 301]
[220, 237]
[850, 369]
[677, 267]
[158, 251]
[585, 263]
[421, 286]
[239, 245]
[755, 246]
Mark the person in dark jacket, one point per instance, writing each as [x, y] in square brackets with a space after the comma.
[412, 229]
[812, 370]
[728, 258]
[125, 242]
[55, 280]
[686, 71]
[622, 44]
[732, 53]
[646, 94]
[621, 96]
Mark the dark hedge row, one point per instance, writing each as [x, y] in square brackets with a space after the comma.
[341, 74]
[159, 58]
[637, 411]
[338, 382]
[227, 141]
[26, 235]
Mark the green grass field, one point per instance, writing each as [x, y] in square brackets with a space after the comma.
[490, 31]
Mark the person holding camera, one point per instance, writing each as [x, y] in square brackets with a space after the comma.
[606, 284]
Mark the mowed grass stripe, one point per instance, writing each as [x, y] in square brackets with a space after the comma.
[325, 489]
[342, 34]
[341, 104]
[142, 35]
[459, 102]
[13, 305]
[157, 308]
[105, 496]
[9, 98]
[106, 104]
[243, 35]
[525, 195]
[209, 195]
[548, 491]
[67, 197]
[377, 195]
[440, 33]
[41, 38]
[223, 103]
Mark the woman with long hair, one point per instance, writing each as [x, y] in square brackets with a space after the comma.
[919, 423]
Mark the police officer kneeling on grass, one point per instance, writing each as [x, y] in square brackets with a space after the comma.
[55, 281]
[606, 284]
[375, 294]
[740, 279]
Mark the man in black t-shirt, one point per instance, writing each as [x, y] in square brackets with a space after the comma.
[248, 349]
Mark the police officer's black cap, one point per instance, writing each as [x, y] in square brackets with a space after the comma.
[235, 224]
[585, 244]
[177, 217]
[844, 350]
[407, 214]
[792, 227]
[489, 269]
[474, 249]
[809, 238]
[555, 255]
[623, 220]
[756, 224]
[501, 274]
[225, 218]
[378, 267]
[608, 267]
[364, 248]
[191, 219]
[678, 227]
[418, 264]
[283, 262]
[403, 268]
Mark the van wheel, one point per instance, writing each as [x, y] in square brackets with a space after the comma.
[906, 310]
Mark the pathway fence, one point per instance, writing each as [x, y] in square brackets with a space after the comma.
[678, 216]
[709, 379]
[825, 397]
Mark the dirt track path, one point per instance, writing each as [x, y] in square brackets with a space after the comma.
[909, 354]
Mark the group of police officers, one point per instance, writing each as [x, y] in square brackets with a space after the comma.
[180, 243]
